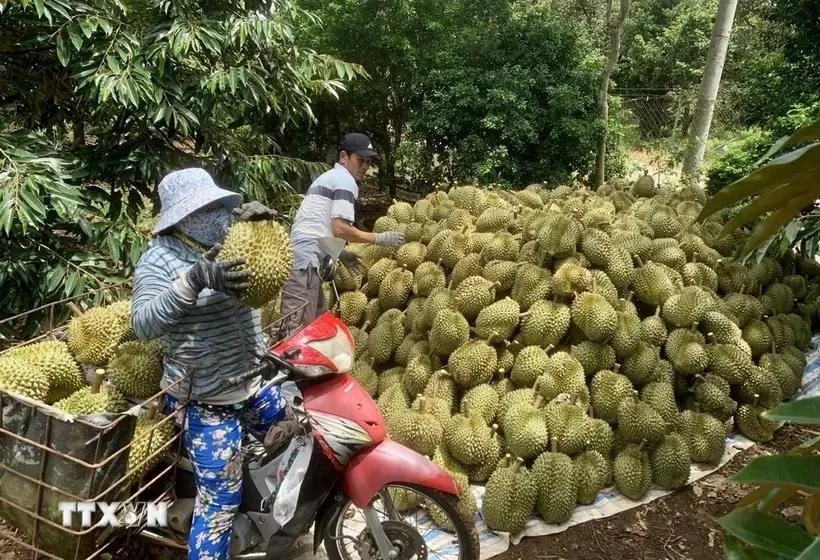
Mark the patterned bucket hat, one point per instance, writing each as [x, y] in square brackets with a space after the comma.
[185, 191]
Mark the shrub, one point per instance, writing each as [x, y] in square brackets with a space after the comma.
[739, 158]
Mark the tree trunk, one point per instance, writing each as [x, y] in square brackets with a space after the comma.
[702, 120]
[615, 25]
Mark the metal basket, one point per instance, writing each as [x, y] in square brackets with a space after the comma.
[47, 457]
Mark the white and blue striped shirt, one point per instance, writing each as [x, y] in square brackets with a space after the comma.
[332, 195]
[215, 334]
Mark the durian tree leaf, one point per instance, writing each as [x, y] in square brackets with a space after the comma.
[736, 549]
[777, 496]
[811, 552]
[783, 470]
[777, 220]
[767, 532]
[811, 514]
[771, 201]
[777, 172]
[808, 133]
[802, 411]
[806, 447]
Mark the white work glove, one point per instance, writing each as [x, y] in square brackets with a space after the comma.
[390, 238]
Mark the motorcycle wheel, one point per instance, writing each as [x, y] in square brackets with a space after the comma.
[399, 527]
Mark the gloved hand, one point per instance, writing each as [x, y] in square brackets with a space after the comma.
[218, 276]
[390, 238]
[351, 260]
[253, 211]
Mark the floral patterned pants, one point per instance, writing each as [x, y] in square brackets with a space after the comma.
[213, 438]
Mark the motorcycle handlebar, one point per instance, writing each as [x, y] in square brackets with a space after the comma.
[261, 370]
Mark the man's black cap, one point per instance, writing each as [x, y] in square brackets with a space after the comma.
[357, 143]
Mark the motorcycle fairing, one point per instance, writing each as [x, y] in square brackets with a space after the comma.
[390, 462]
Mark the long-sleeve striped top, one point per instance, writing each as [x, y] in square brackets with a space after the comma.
[214, 336]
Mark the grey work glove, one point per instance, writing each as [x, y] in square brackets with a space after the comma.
[351, 260]
[390, 238]
[254, 211]
[218, 276]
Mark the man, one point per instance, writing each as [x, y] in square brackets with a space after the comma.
[327, 212]
[189, 301]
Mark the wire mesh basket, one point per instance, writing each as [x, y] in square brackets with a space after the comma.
[50, 461]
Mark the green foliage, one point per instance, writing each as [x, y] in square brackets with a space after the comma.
[782, 189]
[665, 43]
[100, 99]
[738, 157]
[500, 91]
[752, 530]
[514, 102]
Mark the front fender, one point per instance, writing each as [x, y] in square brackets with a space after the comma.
[391, 462]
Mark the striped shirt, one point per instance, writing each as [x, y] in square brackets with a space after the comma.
[332, 195]
[214, 335]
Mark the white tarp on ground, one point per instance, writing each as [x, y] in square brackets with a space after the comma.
[610, 501]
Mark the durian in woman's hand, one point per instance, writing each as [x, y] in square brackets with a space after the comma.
[265, 245]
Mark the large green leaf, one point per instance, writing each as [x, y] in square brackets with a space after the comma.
[801, 411]
[778, 219]
[812, 552]
[779, 171]
[766, 531]
[736, 549]
[792, 470]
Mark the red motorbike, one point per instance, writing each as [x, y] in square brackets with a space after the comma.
[353, 474]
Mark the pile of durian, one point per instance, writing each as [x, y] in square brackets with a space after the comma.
[550, 343]
[101, 339]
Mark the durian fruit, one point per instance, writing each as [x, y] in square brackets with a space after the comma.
[448, 332]
[418, 428]
[555, 476]
[482, 399]
[753, 425]
[632, 471]
[607, 390]
[473, 363]
[498, 320]
[21, 376]
[525, 428]
[93, 336]
[55, 360]
[670, 462]
[95, 399]
[467, 505]
[352, 306]
[592, 473]
[472, 295]
[481, 472]
[639, 422]
[136, 368]
[509, 497]
[594, 316]
[467, 437]
[363, 373]
[265, 245]
[150, 436]
[544, 324]
[705, 436]
[395, 288]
